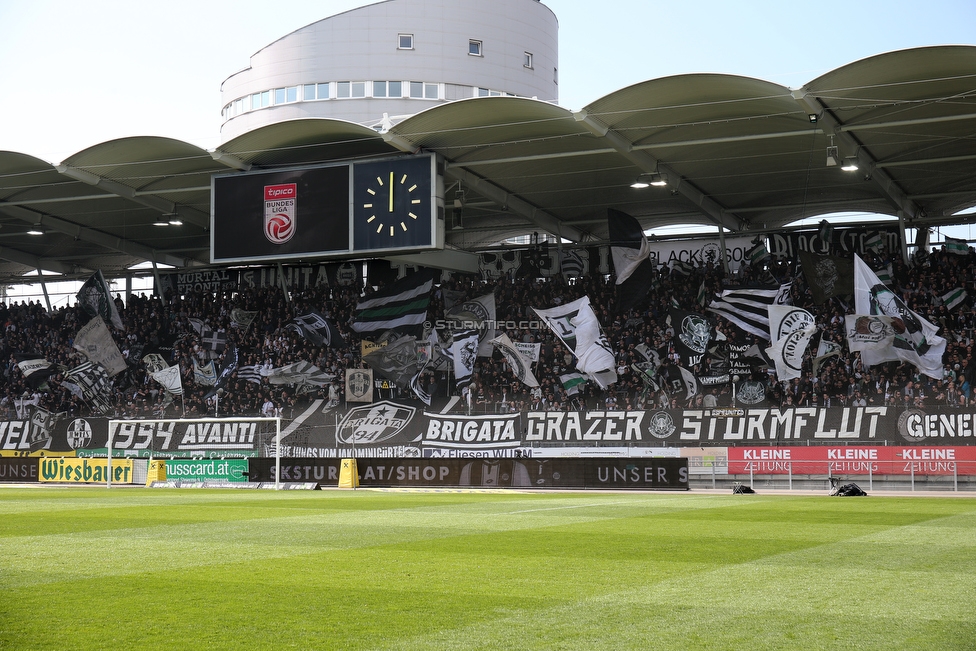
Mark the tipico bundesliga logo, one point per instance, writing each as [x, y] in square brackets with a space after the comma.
[280, 212]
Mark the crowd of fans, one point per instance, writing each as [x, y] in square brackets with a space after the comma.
[163, 324]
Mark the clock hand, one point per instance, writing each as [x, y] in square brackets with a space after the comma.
[391, 191]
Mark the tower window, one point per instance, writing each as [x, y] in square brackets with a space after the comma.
[405, 42]
[474, 48]
[527, 60]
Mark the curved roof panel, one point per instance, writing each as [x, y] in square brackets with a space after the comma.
[305, 142]
[745, 153]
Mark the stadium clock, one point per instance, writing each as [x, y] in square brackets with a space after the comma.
[392, 204]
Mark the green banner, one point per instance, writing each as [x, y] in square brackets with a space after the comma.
[207, 470]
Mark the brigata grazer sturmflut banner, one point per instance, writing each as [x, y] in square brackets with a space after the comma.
[391, 429]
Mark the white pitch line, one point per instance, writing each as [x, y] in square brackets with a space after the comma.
[574, 506]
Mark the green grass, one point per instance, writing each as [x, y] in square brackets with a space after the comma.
[89, 568]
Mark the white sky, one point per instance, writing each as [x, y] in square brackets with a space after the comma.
[74, 74]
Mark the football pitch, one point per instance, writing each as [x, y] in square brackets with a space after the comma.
[90, 568]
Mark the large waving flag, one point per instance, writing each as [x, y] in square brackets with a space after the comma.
[227, 368]
[96, 299]
[911, 338]
[95, 385]
[36, 369]
[299, 373]
[748, 307]
[464, 349]
[577, 327]
[205, 374]
[631, 259]
[827, 275]
[401, 306]
[790, 329]
[516, 361]
[477, 314]
[95, 341]
[317, 329]
[397, 361]
[170, 378]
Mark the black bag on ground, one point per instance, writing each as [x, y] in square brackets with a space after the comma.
[850, 490]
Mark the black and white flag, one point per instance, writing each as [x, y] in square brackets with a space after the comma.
[227, 368]
[213, 340]
[205, 374]
[96, 299]
[397, 361]
[359, 385]
[95, 385]
[464, 349]
[36, 369]
[300, 373]
[748, 307]
[914, 339]
[170, 378]
[571, 264]
[692, 334]
[42, 424]
[242, 319]
[518, 363]
[318, 330]
[790, 329]
[477, 314]
[827, 275]
[251, 373]
[577, 327]
[95, 341]
[630, 252]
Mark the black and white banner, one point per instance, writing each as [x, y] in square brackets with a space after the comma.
[390, 428]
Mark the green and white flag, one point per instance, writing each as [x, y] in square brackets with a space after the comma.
[572, 382]
[884, 274]
[954, 299]
[402, 306]
[825, 350]
[825, 232]
[873, 241]
[957, 246]
[758, 253]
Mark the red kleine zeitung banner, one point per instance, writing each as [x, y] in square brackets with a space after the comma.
[852, 460]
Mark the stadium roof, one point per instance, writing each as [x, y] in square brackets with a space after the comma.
[743, 153]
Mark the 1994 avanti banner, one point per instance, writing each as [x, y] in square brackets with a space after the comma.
[391, 429]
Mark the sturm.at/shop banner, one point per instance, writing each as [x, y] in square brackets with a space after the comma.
[663, 474]
[852, 460]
